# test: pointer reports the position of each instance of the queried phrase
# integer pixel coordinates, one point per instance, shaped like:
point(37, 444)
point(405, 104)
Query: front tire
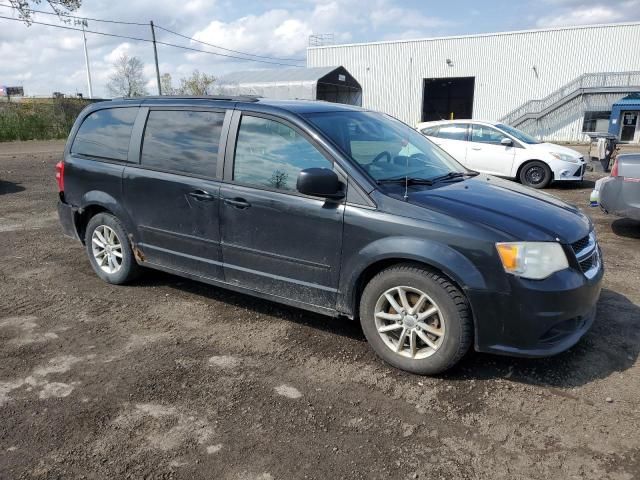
point(416, 319)
point(535, 174)
point(109, 251)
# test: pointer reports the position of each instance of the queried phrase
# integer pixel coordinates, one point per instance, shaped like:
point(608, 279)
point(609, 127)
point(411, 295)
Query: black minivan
point(334, 209)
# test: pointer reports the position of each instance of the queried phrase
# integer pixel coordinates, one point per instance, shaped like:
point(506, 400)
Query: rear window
point(182, 141)
point(456, 131)
point(106, 133)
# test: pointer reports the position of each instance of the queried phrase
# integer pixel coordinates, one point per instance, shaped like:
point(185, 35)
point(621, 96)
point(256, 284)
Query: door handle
point(201, 195)
point(237, 202)
point(476, 148)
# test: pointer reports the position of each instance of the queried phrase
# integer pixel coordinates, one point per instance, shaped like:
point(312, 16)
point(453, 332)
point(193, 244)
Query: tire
point(104, 226)
point(535, 174)
point(452, 321)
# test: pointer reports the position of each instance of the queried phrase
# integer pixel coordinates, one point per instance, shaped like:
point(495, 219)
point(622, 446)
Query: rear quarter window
point(106, 133)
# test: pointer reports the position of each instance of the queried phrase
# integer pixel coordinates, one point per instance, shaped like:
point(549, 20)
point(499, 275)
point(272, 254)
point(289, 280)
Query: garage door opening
point(447, 98)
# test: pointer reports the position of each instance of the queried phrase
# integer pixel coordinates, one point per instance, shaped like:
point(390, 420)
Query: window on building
point(182, 141)
point(486, 134)
point(270, 154)
point(106, 134)
point(597, 121)
point(456, 131)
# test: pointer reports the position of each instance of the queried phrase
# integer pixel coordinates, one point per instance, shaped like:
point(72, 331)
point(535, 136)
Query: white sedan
point(504, 151)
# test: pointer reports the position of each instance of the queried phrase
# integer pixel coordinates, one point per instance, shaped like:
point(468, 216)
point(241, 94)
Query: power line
point(151, 41)
point(66, 15)
point(228, 49)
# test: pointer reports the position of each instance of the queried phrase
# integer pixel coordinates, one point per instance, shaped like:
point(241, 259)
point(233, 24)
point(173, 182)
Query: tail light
point(614, 169)
point(60, 176)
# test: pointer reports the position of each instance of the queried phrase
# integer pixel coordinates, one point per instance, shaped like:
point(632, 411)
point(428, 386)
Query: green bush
point(39, 119)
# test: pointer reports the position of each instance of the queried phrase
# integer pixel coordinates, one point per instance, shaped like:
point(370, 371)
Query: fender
point(440, 256)
point(104, 200)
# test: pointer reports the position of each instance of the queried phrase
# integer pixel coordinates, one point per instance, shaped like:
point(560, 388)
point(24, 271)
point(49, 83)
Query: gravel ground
point(168, 378)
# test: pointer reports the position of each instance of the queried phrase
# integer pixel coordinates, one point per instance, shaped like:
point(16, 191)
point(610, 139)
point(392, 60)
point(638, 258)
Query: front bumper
point(67, 216)
point(572, 172)
point(538, 318)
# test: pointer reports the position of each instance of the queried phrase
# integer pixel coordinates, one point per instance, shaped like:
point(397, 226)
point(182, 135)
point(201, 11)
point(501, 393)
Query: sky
point(45, 59)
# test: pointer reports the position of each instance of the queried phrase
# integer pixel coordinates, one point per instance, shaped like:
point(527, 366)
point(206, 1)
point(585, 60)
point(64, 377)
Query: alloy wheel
point(409, 322)
point(106, 249)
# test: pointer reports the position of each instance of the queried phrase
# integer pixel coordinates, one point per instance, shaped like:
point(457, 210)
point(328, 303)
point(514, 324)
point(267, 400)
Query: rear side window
point(106, 133)
point(456, 131)
point(270, 154)
point(182, 141)
point(430, 131)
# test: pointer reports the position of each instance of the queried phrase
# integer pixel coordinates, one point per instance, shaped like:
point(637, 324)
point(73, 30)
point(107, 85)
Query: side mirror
point(507, 142)
point(319, 182)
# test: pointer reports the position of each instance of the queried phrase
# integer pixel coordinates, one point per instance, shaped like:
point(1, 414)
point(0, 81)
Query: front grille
point(587, 254)
point(580, 245)
point(588, 263)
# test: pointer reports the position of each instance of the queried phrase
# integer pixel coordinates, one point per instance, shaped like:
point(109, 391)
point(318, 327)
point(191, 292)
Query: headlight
point(566, 158)
point(534, 260)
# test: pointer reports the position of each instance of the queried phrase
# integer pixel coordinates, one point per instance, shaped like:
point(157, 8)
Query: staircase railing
point(585, 81)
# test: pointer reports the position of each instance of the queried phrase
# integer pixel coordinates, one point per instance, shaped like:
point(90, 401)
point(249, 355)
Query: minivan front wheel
point(416, 319)
point(109, 251)
point(535, 174)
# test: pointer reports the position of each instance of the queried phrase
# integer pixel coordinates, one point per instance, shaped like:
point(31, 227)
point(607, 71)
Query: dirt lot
point(168, 378)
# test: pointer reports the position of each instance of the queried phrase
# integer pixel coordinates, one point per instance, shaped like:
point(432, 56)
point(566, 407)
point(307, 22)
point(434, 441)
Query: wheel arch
point(432, 255)
point(94, 202)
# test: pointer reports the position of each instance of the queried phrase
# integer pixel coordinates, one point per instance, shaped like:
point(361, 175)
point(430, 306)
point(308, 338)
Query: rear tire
point(434, 327)
point(535, 174)
point(109, 251)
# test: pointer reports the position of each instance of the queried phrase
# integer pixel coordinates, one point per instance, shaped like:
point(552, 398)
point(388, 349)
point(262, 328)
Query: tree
point(128, 79)
point(278, 179)
point(197, 84)
point(60, 7)
point(166, 84)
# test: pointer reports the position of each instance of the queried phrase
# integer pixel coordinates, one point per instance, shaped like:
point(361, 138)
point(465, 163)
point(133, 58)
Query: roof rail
point(239, 98)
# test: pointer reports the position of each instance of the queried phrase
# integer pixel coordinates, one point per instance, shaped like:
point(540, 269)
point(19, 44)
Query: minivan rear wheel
point(109, 251)
point(416, 319)
point(535, 174)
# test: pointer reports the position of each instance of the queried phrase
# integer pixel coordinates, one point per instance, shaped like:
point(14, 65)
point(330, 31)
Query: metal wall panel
point(510, 68)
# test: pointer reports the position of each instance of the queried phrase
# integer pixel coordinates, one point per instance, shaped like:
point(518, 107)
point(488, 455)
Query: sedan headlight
point(534, 260)
point(566, 158)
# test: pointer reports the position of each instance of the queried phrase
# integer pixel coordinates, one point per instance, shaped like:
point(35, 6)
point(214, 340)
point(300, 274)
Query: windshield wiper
point(405, 180)
point(452, 175)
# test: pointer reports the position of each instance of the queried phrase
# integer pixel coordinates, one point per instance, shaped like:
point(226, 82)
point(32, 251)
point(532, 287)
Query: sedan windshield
point(384, 147)
point(520, 135)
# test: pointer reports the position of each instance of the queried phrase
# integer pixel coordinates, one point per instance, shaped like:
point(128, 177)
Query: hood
point(552, 147)
point(501, 205)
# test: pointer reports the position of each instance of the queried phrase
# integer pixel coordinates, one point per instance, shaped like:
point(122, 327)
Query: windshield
point(514, 132)
point(384, 147)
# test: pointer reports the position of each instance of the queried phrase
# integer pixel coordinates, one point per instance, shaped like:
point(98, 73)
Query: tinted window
point(485, 134)
point(456, 131)
point(270, 154)
point(106, 133)
point(182, 141)
point(431, 131)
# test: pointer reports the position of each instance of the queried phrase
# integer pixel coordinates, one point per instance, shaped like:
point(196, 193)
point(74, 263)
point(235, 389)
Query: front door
point(275, 240)
point(173, 195)
point(630, 127)
point(486, 154)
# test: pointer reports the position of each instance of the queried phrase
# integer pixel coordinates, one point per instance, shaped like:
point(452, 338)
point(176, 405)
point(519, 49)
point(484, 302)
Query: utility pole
point(155, 54)
point(84, 24)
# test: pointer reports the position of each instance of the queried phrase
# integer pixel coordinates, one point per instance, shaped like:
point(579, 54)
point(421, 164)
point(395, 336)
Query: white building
point(554, 83)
